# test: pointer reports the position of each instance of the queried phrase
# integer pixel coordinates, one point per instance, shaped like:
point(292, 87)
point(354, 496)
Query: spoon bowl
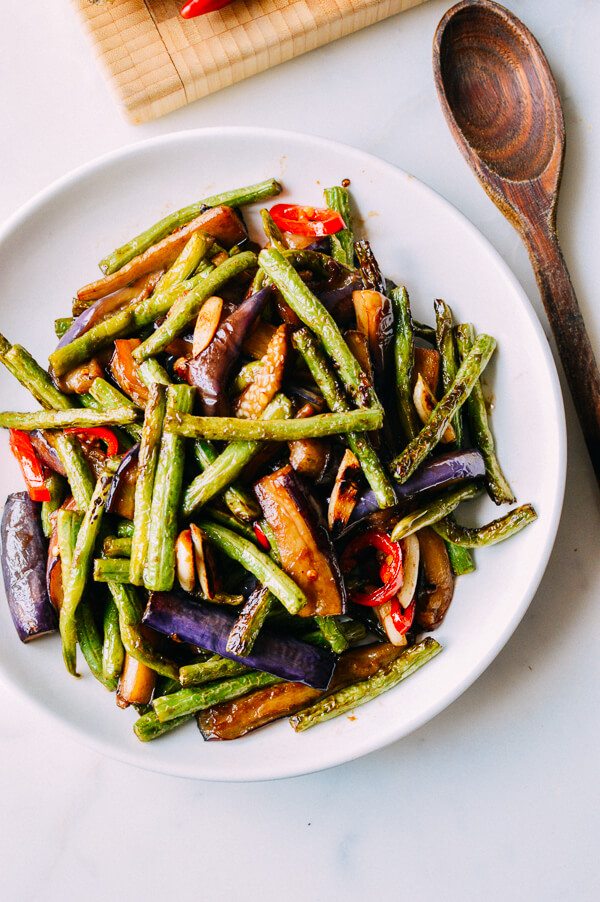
point(500, 92)
point(503, 108)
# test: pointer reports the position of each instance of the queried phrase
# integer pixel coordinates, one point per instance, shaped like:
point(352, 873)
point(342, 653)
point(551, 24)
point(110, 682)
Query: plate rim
point(338, 756)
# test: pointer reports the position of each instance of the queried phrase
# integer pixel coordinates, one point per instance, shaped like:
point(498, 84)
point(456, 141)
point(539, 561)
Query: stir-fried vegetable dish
point(243, 475)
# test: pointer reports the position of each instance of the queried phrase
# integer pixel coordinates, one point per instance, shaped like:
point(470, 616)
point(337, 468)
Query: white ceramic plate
point(52, 246)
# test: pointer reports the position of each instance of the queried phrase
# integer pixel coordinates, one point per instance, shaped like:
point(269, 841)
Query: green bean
point(238, 499)
point(497, 484)
point(129, 319)
point(496, 531)
point(272, 231)
point(113, 652)
point(148, 726)
point(82, 562)
point(114, 569)
point(188, 304)
point(130, 610)
point(342, 243)
point(423, 443)
point(30, 374)
point(363, 419)
point(104, 396)
point(231, 522)
point(90, 643)
point(422, 330)
point(336, 400)
point(125, 529)
point(191, 257)
point(359, 693)
point(216, 668)
point(151, 371)
point(63, 325)
point(68, 526)
point(189, 701)
point(230, 463)
point(116, 546)
point(332, 633)
point(258, 563)
point(272, 539)
point(107, 396)
point(237, 198)
point(461, 559)
point(74, 418)
point(58, 489)
point(431, 513)
point(351, 630)
point(404, 358)
point(159, 569)
point(147, 463)
point(314, 315)
point(246, 628)
point(445, 344)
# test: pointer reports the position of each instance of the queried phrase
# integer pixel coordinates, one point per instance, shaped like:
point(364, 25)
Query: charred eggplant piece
point(208, 626)
point(121, 499)
point(230, 720)
point(209, 370)
point(24, 568)
point(427, 365)
point(436, 595)
point(136, 683)
point(304, 544)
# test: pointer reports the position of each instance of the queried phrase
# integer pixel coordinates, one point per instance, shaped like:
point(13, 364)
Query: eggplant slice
point(304, 544)
point(24, 560)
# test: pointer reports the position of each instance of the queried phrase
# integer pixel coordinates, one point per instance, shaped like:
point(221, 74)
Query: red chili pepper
point(198, 7)
point(402, 620)
point(392, 571)
point(306, 220)
point(261, 537)
point(31, 468)
point(100, 432)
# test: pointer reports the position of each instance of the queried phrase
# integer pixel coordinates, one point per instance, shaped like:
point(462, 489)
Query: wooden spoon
point(503, 108)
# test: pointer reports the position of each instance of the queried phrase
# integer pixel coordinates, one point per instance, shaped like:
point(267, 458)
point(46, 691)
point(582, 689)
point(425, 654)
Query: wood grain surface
point(159, 61)
point(503, 108)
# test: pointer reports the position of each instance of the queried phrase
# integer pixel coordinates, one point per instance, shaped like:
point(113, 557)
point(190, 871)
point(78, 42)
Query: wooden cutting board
point(159, 61)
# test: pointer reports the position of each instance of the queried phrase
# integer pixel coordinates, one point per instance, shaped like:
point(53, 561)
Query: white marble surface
point(497, 798)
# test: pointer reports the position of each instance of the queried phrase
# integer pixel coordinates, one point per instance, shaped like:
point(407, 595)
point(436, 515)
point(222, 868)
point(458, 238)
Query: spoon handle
point(574, 346)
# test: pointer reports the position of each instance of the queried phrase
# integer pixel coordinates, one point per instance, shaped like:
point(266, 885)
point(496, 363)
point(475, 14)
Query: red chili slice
point(199, 7)
point(402, 620)
point(261, 537)
point(392, 571)
point(99, 432)
point(31, 468)
point(302, 220)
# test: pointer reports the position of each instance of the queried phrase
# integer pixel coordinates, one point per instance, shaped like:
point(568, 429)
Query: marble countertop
point(496, 798)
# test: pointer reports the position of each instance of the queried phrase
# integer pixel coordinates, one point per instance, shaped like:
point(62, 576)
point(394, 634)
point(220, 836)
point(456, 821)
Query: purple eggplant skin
point(24, 558)
point(209, 370)
point(442, 472)
point(207, 626)
point(337, 297)
point(439, 473)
